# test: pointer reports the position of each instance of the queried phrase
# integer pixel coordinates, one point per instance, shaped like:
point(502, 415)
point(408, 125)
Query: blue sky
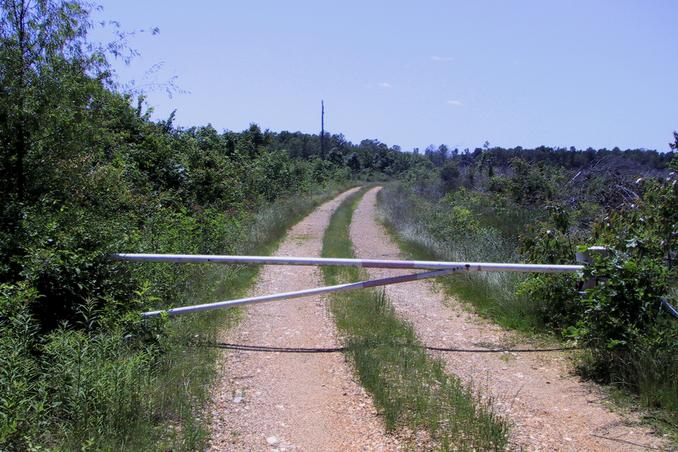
point(572, 73)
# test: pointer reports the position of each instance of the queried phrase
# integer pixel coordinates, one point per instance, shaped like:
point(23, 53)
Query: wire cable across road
point(274, 349)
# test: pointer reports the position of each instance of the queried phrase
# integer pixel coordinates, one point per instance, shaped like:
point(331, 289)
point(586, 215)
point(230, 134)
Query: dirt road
point(549, 408)
point(283, 401)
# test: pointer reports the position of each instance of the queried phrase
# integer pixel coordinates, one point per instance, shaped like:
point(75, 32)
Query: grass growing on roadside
point(506, 309)
point(189, 369)
point(491, 294)
point(410, 388)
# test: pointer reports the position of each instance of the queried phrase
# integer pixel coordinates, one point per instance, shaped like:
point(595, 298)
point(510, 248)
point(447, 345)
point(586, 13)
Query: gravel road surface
point(292, 401)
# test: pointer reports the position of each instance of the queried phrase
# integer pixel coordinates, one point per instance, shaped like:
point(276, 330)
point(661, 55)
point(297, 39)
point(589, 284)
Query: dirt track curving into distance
point(549, 408)
point(292, 401)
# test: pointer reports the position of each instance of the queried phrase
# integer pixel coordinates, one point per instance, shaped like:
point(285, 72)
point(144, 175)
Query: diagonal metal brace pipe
point(300, 293)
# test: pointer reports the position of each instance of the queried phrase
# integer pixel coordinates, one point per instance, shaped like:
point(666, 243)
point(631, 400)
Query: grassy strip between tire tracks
point(410, 389)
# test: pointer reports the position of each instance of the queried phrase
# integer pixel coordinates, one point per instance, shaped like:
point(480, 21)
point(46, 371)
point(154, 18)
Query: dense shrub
point(623, 318)
point(554, 295)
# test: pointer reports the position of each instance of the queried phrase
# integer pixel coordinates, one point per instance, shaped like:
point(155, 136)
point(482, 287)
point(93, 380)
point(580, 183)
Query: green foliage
point(625, 302)
point(638, 269)
point(488, 162)
point(89, 379)
point(450, 176)
point(108, 379)
point(47, 77)
point(530, 184)
point(452, 221)
point(553, 295)
point(21, 391)
point(632, 338)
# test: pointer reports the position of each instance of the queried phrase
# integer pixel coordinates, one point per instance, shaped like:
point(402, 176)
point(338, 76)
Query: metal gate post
point(586, 258)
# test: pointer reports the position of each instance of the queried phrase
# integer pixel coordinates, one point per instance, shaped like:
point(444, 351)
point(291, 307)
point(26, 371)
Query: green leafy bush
point(625, 301)
point(554, 295)
point(632, 339)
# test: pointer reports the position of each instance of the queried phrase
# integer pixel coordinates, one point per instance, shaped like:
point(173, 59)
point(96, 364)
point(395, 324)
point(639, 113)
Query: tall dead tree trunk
point(20, 11)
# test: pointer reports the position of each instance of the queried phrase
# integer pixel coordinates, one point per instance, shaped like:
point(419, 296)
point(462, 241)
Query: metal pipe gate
point(435, 269)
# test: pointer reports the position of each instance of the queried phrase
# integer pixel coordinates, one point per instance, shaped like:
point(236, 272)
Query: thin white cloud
point(441, 58)
point(456, 103)
point(385, 85)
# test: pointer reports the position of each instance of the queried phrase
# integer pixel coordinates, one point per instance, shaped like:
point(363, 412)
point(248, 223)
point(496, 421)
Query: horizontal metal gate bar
point(365, 263)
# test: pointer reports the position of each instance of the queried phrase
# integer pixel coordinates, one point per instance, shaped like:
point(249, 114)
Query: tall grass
point(411, 390)
point(122, 384)
point(411, 222)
